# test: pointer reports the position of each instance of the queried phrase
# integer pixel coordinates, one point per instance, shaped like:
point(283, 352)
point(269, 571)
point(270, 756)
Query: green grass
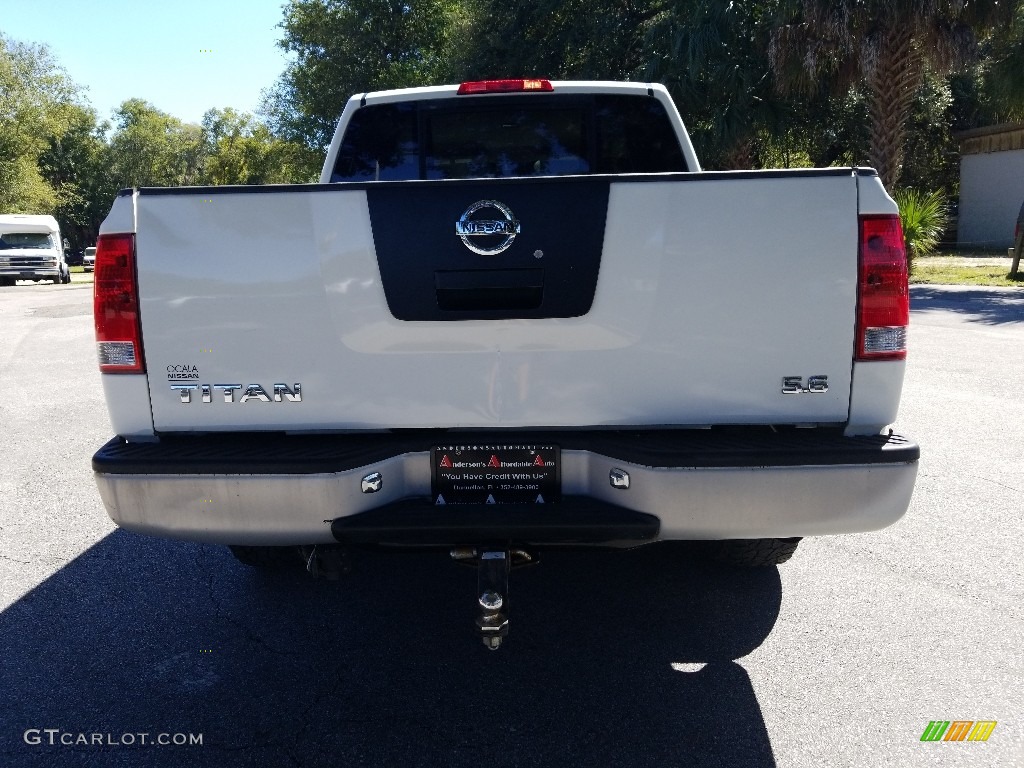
point(953, 252)
point(966, 267)
point(954, 274)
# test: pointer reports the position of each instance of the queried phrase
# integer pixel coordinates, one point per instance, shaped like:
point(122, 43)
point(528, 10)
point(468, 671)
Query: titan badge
point(281, 392)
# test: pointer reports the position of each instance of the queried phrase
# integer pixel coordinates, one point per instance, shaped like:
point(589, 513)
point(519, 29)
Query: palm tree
point(884, 44)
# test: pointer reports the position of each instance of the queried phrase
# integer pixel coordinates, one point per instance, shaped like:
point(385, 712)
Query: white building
point(991, 185)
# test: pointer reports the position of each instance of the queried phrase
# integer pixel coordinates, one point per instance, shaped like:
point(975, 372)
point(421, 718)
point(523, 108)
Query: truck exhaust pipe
point(327, 561)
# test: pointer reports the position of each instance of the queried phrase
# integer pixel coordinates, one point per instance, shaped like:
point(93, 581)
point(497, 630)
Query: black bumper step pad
point(419, 522)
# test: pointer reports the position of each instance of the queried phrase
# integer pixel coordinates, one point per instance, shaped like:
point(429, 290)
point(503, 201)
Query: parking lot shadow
point(614, 658)
point(991, 306)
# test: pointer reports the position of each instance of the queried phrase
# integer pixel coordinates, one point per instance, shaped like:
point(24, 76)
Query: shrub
point(924, 219)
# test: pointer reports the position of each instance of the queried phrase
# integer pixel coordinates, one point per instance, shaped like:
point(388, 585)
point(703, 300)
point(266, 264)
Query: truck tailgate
point(680, 299)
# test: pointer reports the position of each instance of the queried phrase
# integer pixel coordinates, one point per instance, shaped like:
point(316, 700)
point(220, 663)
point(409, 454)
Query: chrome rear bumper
point(281, 490)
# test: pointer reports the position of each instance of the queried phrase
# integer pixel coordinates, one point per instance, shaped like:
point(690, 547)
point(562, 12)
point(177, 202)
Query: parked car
point(89, 262)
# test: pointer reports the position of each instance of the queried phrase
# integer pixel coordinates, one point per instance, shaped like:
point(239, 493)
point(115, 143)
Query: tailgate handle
point(489, 289)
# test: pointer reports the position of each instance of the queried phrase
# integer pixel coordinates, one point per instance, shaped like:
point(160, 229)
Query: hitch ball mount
point(493, 568)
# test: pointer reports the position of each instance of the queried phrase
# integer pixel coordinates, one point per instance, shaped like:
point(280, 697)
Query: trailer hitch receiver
point(492, 597)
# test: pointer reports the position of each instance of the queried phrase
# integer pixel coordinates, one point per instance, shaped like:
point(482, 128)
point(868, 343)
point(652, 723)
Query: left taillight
point(883, 295)
point(116, 306)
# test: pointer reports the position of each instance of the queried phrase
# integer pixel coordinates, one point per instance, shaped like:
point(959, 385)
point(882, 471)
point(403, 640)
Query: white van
point(31, 248)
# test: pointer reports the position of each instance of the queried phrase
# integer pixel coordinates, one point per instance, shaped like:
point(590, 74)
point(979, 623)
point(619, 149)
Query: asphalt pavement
point(111, 642)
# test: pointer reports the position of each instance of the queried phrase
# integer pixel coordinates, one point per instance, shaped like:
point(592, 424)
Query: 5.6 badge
point(794, 385)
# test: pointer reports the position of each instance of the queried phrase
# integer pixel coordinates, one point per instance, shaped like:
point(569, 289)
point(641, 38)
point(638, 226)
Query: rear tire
point(266, 557)
point(753, 553)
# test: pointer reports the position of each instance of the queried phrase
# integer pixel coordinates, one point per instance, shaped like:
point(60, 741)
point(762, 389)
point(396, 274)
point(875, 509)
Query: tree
point(930, 153)
point(343, 47)
point(710, 53)
point(713, 56)
point(76, 167)
point(564, 39)
point(150, 148)
point(1004, 70)
point(242, 150)
point(886, 45)
point(36, 106)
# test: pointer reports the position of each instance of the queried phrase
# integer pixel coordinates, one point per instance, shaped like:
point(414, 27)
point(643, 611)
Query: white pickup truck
point(512, 315)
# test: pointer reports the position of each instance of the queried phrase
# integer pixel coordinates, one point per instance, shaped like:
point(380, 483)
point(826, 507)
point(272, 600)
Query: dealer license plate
point(495, 474)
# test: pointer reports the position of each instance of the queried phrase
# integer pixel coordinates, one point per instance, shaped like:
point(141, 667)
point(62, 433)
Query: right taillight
point(116, 305)
point(883, 295)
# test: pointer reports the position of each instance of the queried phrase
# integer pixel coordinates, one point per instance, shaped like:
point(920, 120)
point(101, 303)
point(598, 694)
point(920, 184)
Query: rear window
point(496, 137)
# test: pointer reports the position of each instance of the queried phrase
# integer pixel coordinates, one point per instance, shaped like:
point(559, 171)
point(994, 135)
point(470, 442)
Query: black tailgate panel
point(549, 269)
